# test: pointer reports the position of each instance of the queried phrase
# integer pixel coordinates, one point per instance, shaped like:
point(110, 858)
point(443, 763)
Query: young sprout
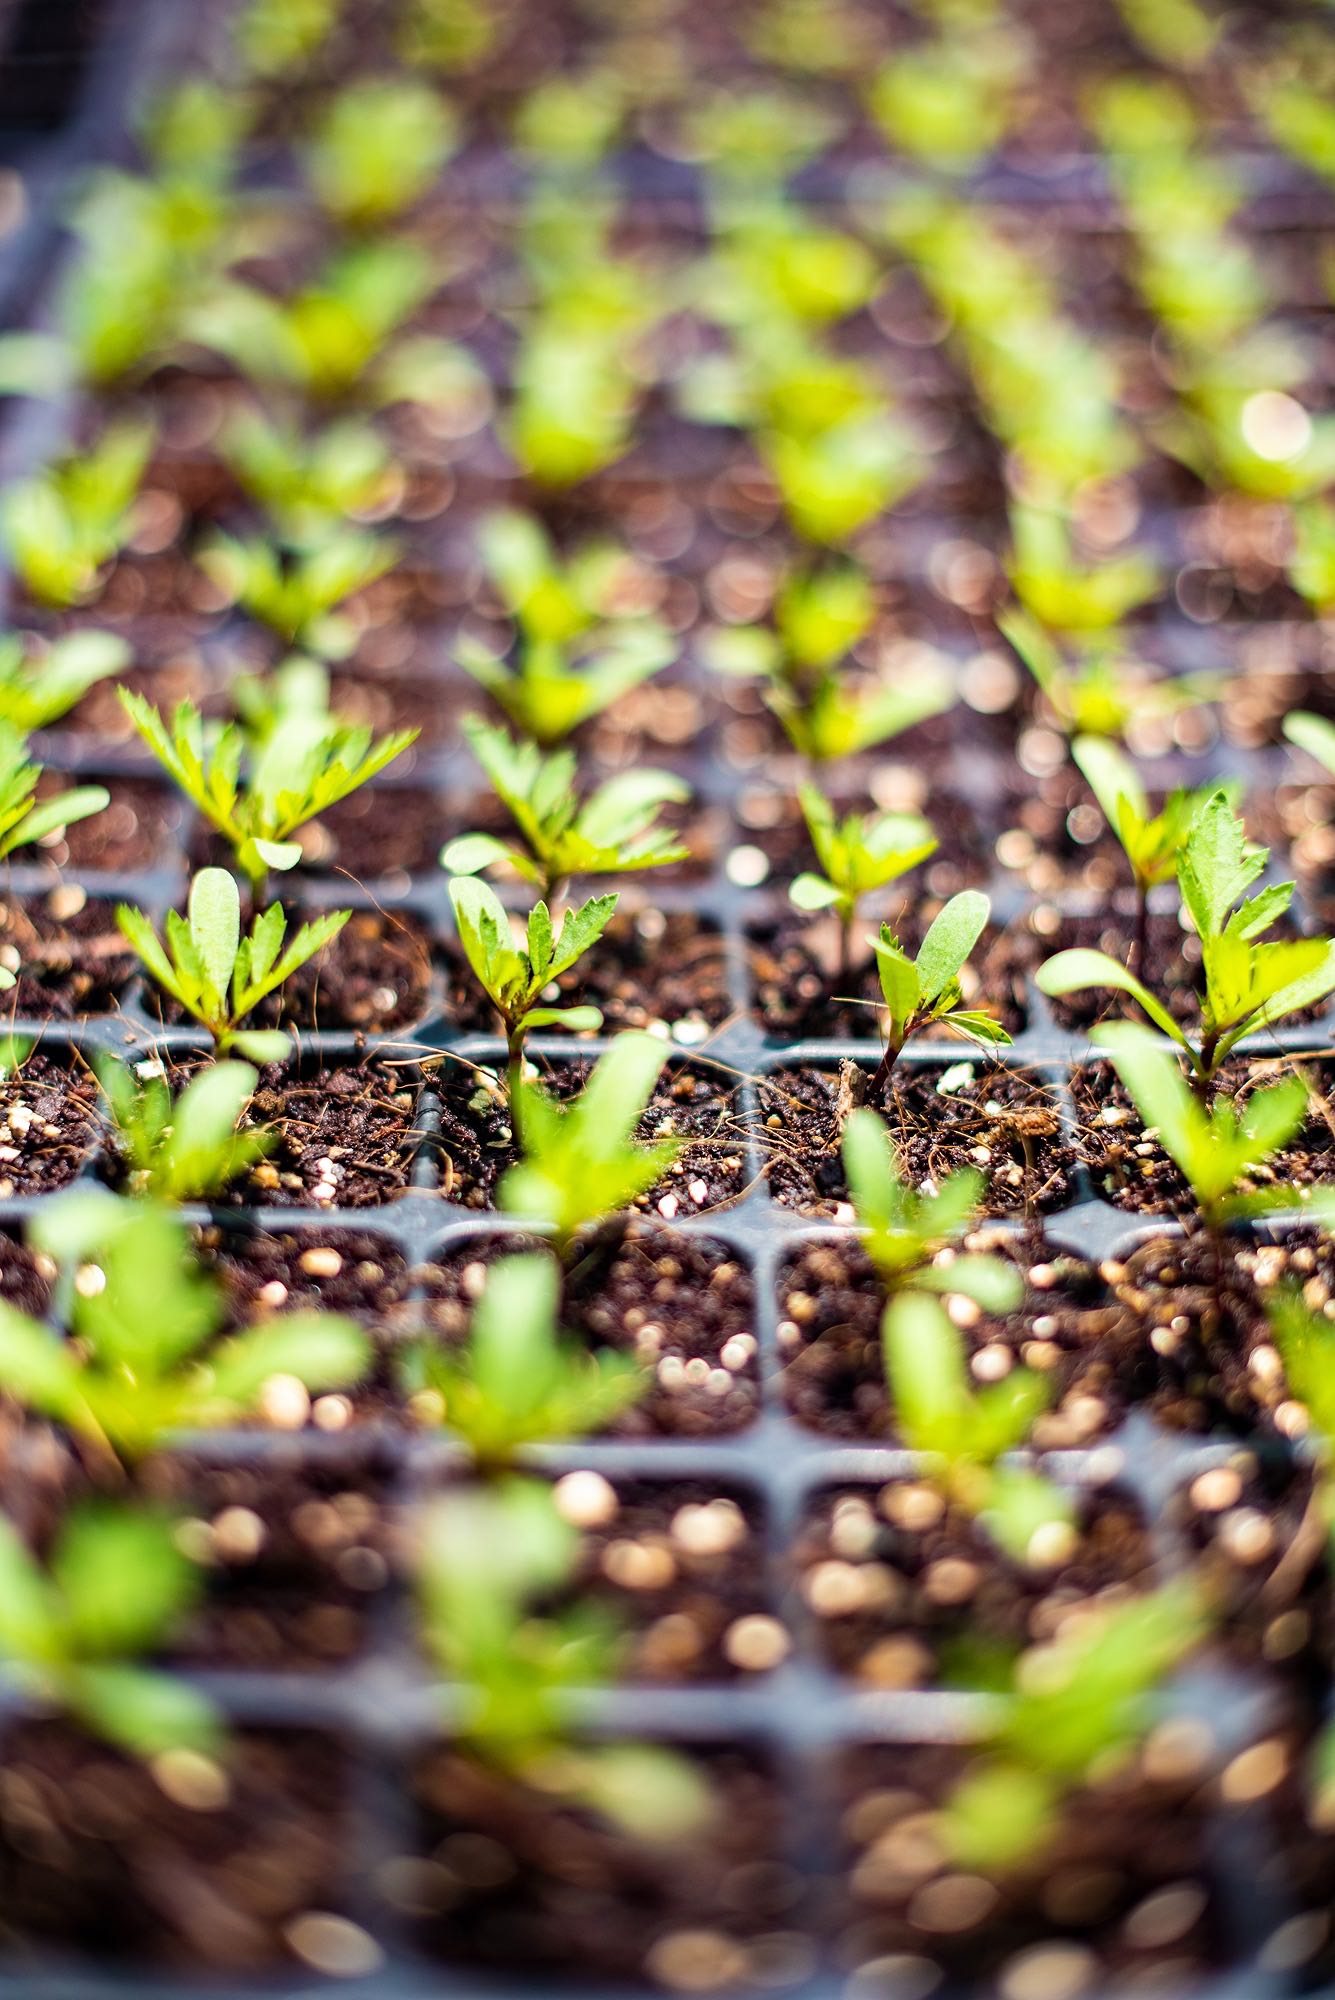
point(1249, 984)
point(857, 854)
point(276, 39)
point(377, 149)
point(615, 831)
point(218, 976)
point(63, 526)
point(1098, 692)
point(827, 713)
point(1314, 734)
point(1065, 594)
point(36, 690)
point(450, 35)
point(581, 1161)
point(23, 820)
point(949, 102)
point(1151, 841)
point(305, 765)
point(514, 978)
point(307, 484)
point(1312, 564)
point(548, 597)
point(146, 1359)
point(927, 989)
point(517, 1383)
point(488, 1555)
point(296, 592)
point(75, 1630)
point(964, 1432)
point(1085, 1711)
point(185, 1148)
point(906, 1229)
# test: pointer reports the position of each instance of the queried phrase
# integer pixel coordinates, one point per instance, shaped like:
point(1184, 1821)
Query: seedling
point(964, 1433)
point(296, 592)
point(377, 148)
point(307, 485)
point(921, 991)
point(858, 854)
point(949, 103)
point(488, 1554)
point(37, 689)
point(23, 820)
point(1097, 691)
point(146, 1360)
point(615, 831)
point(907, 1230)
point(573, 406)
point(63, 526)
point(549, 596)
point(1313, 734)
point(1065, 594)
point(581, 1161)
point(830, 714)
point(1077, 1706)
point(1312, 564)
point(1249, 984)
point(305, 765)
point(276, 38)
point(218, 976)
point(75, 1629)
point(185, 1148)
point(547, 695)
point(514, 978)
point(518, 1383)
point(1152, 842)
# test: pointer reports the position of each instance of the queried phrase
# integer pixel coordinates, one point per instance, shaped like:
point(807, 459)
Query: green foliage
point(964, 1432)
point(515, 977)
point(1096, 691)
point(146, 1360)
point(921, 991)
point(275, 39)
point(1176, 32)
point(830, 714)
point(305, 764)
point(215, 973)
point(949, 103)
point(549, 596)
point(37, 689)
point(1087, 1708)
point(296, 592)
point(581, 1161)
point(1151, 841)
point(517, 1383)
point(307, 484)
point(614, 831)
point(74, 1630)
point(64, 525)
point(1249, 984)
point(488, 1554)
point(1312, 564)
point(547, 695)
point(1062, 592)
point(450, 35)
point(771, 258)
point(858, 854)
point(23, 820)
point(819, 614)
point(377, 148)
point(1217, 1149)
point(1314, 734)
point(185, 1148)
point(907, 1229)
point(1306, 1342)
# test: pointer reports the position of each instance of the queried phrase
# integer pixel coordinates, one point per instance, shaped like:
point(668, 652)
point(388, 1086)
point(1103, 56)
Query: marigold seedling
point(1086, 1699)
point(518, 1382)
point(1060, 591)
point(307, 484)
point(37, 689)
point(514, 978)
point(1312, 564)
point(547, 694)
point(1249, 984)
point(63, 526)
point(964, 1432)
point(828, 714)
point(548, 596)
point(274, 39)
point(302, 767)
point(23, 819)
point(75, 1630)
point(906, 1229)
point(949, 103)
point(297, 592)
point(218, 976)
point(858, 854)
point(187, 1147)
point(615, 831)
point(1094, 690)
point(488, 1554)
point(377, 148)
point(581, 1161)
point(147, 1359)
point(921, 991)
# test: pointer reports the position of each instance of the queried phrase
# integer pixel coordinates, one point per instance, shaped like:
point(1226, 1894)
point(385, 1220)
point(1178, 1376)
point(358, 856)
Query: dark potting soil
point(345, 1137)
point(49, 1124)
point(69, 956)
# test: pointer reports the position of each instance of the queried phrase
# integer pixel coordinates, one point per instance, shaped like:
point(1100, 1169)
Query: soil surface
point(49, 1123)
point(70, 958)
point(345, 1137)
point(801, 994)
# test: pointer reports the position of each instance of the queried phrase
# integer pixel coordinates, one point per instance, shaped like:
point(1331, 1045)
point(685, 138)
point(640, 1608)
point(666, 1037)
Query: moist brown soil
point(350, 1130)
point(699, 1106)
point(49, 1125)
point(140, 827)
point(800, 994)
point(513, 1879)
point(69, 956)
point(293, 1555)
point(1124, 1877)
point(649, 969)
point(680, 1303)
point(1001, 1122)
point(25, 1278)
point(1134, 1172)
point(379, 830)
point(1173, 954)
point(96, 1858)
point(905, 1590)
